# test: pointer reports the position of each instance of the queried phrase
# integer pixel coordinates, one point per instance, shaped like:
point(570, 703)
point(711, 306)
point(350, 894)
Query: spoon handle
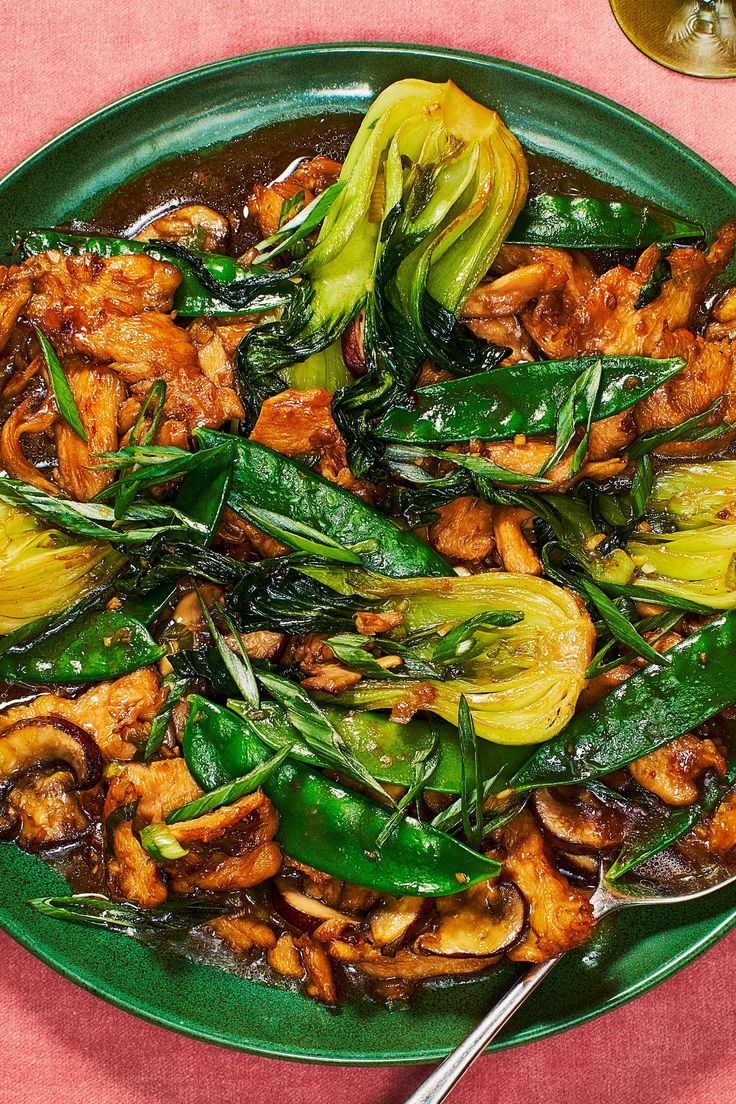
point(441, 1081)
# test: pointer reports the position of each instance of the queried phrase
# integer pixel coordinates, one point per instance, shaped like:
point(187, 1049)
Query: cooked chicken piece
point(604, 319)
point(465, 530)
point(317, 660)
point(15, 292)
point(724, 315)
point(266, 202)
point(709, 374)
point(244, 933)
point(220, 822)
point(429, 374)
point(319, 969)
point(297, 422)
point(310, 177)
point(224, 873)
point(602, 684)
point(507, 331)
point(672, 771)
point(116, 714)
point(161, 787)
point(560, 917)
point(376, 624)
point(151, 346)
point(317, 173)
point(132, 875)
point(193, 225)
point(32, 415)
point(216, 345)
point(611, 435)
point(284, 957)
point(516, 552)
point(98, 394)
point(722, 828)
point(526, 455)
point(509, 293)
point(51, 813)
point(72, 295)
point(262, 645)
point(245, 541)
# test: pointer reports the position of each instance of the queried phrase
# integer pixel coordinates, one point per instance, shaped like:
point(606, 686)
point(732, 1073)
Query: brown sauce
point(222, 177)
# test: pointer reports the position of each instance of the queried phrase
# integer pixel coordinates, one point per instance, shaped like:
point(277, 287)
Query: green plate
point(212, 104)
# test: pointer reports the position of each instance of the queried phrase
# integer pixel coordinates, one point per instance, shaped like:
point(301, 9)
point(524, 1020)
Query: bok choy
point(521, 677)
point(42, 571)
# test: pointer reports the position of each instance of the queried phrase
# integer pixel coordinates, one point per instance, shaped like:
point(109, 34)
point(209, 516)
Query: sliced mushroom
point(49, 812)
point(352, 347)
point(392, 922)
point(486, 920)
point(405, 965)
point(580, 870)
point(583, 824)
point(46, 741)
point(303, 912)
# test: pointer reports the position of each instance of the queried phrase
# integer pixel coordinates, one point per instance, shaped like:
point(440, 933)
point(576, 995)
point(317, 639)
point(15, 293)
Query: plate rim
point(25, 937)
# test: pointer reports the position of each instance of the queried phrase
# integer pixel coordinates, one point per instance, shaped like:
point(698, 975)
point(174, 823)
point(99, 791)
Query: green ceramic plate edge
point(630, 953)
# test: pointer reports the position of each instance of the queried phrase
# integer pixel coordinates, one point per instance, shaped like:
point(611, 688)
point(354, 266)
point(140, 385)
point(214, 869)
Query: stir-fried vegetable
point(584, 222)
point(324, 824)
point(96, 645)
point(42, 571)
point(695, 495)
point(522, 398)
point(521, 684)
point(647, 710)
point(263, 478)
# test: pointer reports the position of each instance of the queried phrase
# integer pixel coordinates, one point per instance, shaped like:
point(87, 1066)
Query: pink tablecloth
point(62, 60)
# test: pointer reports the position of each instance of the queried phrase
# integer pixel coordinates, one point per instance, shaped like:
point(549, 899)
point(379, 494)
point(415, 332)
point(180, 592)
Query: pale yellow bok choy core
point(523, 686)
point(42, 571)
point(698, 560)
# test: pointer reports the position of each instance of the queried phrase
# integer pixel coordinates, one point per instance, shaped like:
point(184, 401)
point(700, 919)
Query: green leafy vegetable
point(471, 793)
point(424, 766)
point(231, 791)
point(237, 666)
point(660, 274)
point(60, 386)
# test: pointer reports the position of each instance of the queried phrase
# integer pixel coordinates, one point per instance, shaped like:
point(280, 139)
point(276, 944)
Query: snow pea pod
point(210, 282)
point(102, 644)
point(266, 479)
point(584, 222)
point(384, 747)
point(521, 398)
point(326, 825)
point(647, 710)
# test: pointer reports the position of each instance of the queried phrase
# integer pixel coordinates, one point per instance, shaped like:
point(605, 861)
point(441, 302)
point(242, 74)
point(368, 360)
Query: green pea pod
point(521, 398)
point(97, 645)
point(192, 297)
point(672, 825)
point(583, 222)
point(266, 479)
point(384, 747)
point(326, 825)
point(647, 710)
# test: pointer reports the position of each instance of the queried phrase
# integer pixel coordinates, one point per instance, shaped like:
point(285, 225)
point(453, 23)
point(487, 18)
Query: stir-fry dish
point(365, 592)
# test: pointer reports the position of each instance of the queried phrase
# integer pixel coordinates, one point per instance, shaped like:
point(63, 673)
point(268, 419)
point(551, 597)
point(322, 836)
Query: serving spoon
point(682, 885)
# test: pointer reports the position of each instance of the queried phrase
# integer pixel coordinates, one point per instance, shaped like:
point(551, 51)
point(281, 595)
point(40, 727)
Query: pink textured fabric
point(62, 60)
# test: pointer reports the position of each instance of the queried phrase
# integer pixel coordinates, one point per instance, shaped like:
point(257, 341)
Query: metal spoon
point(681, 885)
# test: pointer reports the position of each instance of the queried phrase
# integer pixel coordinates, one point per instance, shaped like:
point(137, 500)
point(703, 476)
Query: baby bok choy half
point(43, 571)
point(515, 646)
point(432, 183)
point(697, 559)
